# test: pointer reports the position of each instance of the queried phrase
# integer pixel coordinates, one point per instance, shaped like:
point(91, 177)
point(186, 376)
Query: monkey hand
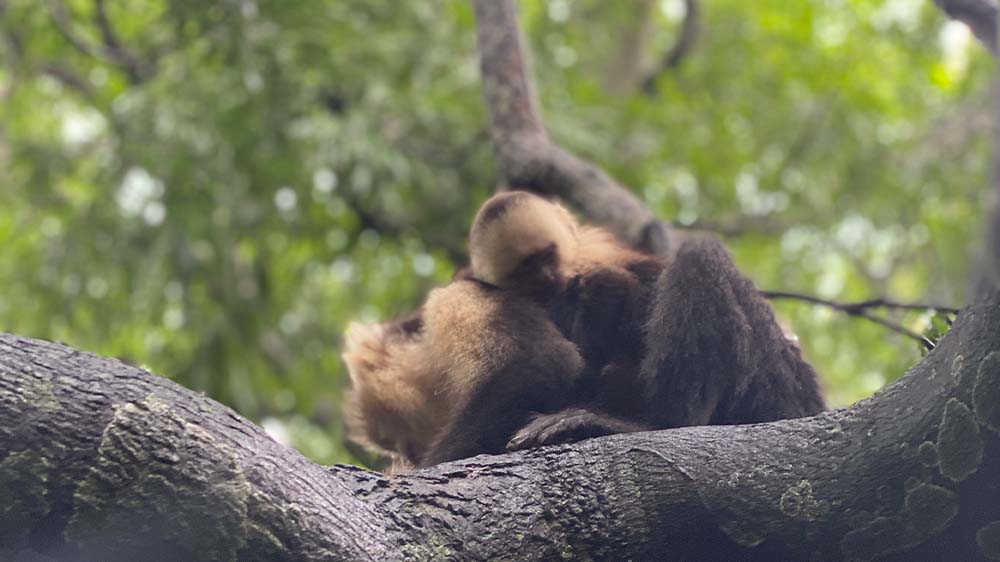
point(568, 426)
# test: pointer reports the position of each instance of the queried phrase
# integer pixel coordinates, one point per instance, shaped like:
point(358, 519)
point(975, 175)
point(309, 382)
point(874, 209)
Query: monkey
point(596, 289)
point(667, 344)
point(616, 341)
point(457, 378)
point(714, 355)
point(396, 405)
point(522, 249)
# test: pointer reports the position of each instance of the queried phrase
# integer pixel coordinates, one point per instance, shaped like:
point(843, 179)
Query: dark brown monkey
point(689, 342)
point(714, 355)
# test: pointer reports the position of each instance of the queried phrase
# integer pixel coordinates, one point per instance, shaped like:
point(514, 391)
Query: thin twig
point(861, 310)
point(111, 51)
point(861, 305)
point(60, 72)
point(690, 30)
point(134, 67)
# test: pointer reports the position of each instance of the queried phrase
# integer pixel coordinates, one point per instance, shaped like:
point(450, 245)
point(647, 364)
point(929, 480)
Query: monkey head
point(520, 241)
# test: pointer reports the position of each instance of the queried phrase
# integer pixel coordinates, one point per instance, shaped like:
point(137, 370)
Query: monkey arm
point(716, 354)
point(496, 408)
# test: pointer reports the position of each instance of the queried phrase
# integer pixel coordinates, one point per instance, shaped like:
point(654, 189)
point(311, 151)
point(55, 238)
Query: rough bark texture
point(103, 461)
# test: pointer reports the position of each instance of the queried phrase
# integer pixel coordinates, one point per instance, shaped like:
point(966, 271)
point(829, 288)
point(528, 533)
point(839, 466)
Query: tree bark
point(103, 461)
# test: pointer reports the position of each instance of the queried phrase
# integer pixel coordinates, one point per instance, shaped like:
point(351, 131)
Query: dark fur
point(712, 351)
point(716, 354)
point(539, 367)
point(497, 408)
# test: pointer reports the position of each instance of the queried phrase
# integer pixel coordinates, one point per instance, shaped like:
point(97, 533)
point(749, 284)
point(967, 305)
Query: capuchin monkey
point(457, 378)
point(557, 332)
point(597, 291)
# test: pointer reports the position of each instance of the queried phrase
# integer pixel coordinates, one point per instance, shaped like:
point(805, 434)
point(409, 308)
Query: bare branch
point(979, 15)
point(512, 102)
point(849, 307)
point(528, 158)
point(133, 66)
point(111, 51)
point(690, 30)
point(738, 225)
point(694, 493)
point(862, 310)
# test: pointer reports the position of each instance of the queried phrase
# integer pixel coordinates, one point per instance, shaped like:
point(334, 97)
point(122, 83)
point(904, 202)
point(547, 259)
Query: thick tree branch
point(528, 158)
point(100, 460)
point(986, 275)
point(690, 30)
point(979, 15)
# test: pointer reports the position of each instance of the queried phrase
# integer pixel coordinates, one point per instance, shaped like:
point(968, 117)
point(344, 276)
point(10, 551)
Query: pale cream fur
point(530, 225)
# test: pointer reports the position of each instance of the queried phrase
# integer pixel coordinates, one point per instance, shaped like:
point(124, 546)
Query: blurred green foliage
point(215, 190)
